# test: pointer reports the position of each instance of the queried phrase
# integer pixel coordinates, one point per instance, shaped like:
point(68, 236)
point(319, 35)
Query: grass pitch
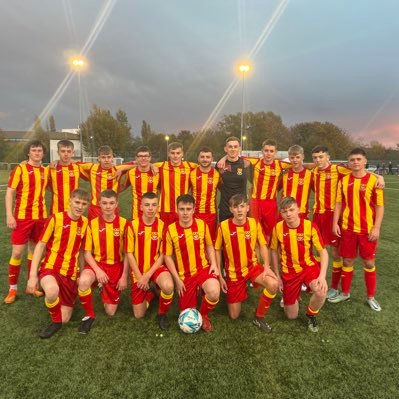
point(354, 355)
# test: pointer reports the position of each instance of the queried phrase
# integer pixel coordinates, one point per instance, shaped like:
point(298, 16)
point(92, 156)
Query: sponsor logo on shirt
point(66, 226)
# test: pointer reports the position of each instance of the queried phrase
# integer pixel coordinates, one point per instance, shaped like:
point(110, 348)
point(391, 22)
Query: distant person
point(390, 171)
point(358, 215)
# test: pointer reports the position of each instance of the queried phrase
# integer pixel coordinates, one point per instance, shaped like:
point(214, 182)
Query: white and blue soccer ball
point(190, 320)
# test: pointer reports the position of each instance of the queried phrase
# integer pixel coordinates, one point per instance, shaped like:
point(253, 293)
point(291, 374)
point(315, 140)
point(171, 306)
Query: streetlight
point(244, 68)
point(79, 64)
point(167, 138)
point(244, 138)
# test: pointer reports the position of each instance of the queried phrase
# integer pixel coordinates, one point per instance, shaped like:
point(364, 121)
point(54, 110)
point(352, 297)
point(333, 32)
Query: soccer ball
point(190, 320)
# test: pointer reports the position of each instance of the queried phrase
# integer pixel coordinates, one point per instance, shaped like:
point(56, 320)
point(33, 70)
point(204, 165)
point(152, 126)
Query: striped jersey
point(325, 186)
point(108, 241)
point(63, 237)
point(141, 183)
point(29, 183)
point(359, 197)
point(188, 244)
point(296, 245)
point(266, 178)
point(238, 244)
point(174, 181)
point(62, 181)
point(204, 186)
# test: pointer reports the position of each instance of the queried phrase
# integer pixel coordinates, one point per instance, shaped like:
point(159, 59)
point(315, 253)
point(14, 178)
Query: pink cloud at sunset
point(387, 135)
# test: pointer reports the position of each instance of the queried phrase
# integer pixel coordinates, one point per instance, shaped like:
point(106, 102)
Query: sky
point(171, 62)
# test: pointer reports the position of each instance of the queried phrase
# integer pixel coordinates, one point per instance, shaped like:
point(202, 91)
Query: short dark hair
point(65, 143)
point(105, 150)
point(286, 202)
point(320, 148)
point(142, 148)
point(205, 149)
point(34, 144)
point(270, 142)
point(149, 195)
point(186, 199)
point(238, 199)
point(108, 194)
point(232, 138)
point(358, 151)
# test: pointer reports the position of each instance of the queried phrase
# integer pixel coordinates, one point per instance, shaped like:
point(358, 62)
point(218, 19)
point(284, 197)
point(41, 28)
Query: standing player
point(204, 183)
point(238, 237)
point(298, 181)
point(293, 239)
point(27, 184)
point(174, 180)
point(63, 177)
point(108, 238)
point(147, 262)
point(142, 179)
point(189, 241)
point(101, 177)
point(234, 176)
point(360, 207)
point(62, 237)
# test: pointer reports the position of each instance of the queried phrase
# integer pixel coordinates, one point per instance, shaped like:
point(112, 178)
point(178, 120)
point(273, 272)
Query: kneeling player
point(147, 262)
point(238, 237)
point(62, 237)
point(191, 243)
point(294, 238)
point(108, 237)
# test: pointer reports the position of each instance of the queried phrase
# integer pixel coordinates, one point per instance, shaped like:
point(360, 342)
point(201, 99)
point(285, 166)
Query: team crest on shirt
point(110, 177)
point(210, 180)
point(79, 231)
point(116, 233)
point(239, 171)
point(71, 174)
point(247, 235)
point(182, 172)
point(195, 235)
point(150, 180)
point(328, 176)
point(272, 172)
point(154, 236)
point(301, 182)
point(299, 237)
point(363, 187)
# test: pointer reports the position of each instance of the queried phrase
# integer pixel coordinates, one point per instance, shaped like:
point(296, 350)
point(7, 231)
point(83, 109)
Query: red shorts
point(351, 242)
point(292, 284)
point(68, 288)
point(237, 290)
point(324, 222)
point(265, 212)
point(95, 211)
point(211, 220)
point(109, 292)
point(168, 217)
point(139, 295)
point(192, 284)
point(27, 230)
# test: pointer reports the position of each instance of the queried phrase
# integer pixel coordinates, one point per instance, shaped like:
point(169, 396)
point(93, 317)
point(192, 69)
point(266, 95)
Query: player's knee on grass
point(234, 310)
point(139, 311)
point(86, 280)
point(110, 309)
point(291, 311)
point(66, 312)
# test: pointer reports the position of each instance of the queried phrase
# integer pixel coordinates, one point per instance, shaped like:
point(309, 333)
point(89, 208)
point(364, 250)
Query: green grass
point(354, 355)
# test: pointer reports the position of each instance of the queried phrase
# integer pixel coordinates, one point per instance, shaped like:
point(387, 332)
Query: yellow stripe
point(268, 294)
point(52, 304)
point(15, 262)
point(369, 270)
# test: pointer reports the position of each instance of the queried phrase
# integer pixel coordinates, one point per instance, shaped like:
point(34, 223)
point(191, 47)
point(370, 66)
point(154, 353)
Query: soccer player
point(204, 182)
point(27, 184)
point(62, 238)
point(142, 179)
point(190, 242)
point(147, 262)
point(293, 239)
point(298, 181)
point(63, 177)
point(358, 214)
point(101, 177)
point(234, 175)
point(238, 237)
point(174, 181)
point(108, 238)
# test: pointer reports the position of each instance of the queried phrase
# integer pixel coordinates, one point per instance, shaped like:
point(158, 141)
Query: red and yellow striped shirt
point(266, 178)
point(296, 245)
point(141, 183)
point(100, 179)
point(29, 183)
point(204, 186)
point(63, 237)
point(325, 186)
point(174, 182)
point(298, 185)
point(238, 243)
point(359, 198)
point(61, 182)
point(108, 241)
point(188, 245)
point(147, 243)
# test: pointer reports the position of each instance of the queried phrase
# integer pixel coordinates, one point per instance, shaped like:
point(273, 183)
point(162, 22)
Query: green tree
point(4, 147)
point(146, 132)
